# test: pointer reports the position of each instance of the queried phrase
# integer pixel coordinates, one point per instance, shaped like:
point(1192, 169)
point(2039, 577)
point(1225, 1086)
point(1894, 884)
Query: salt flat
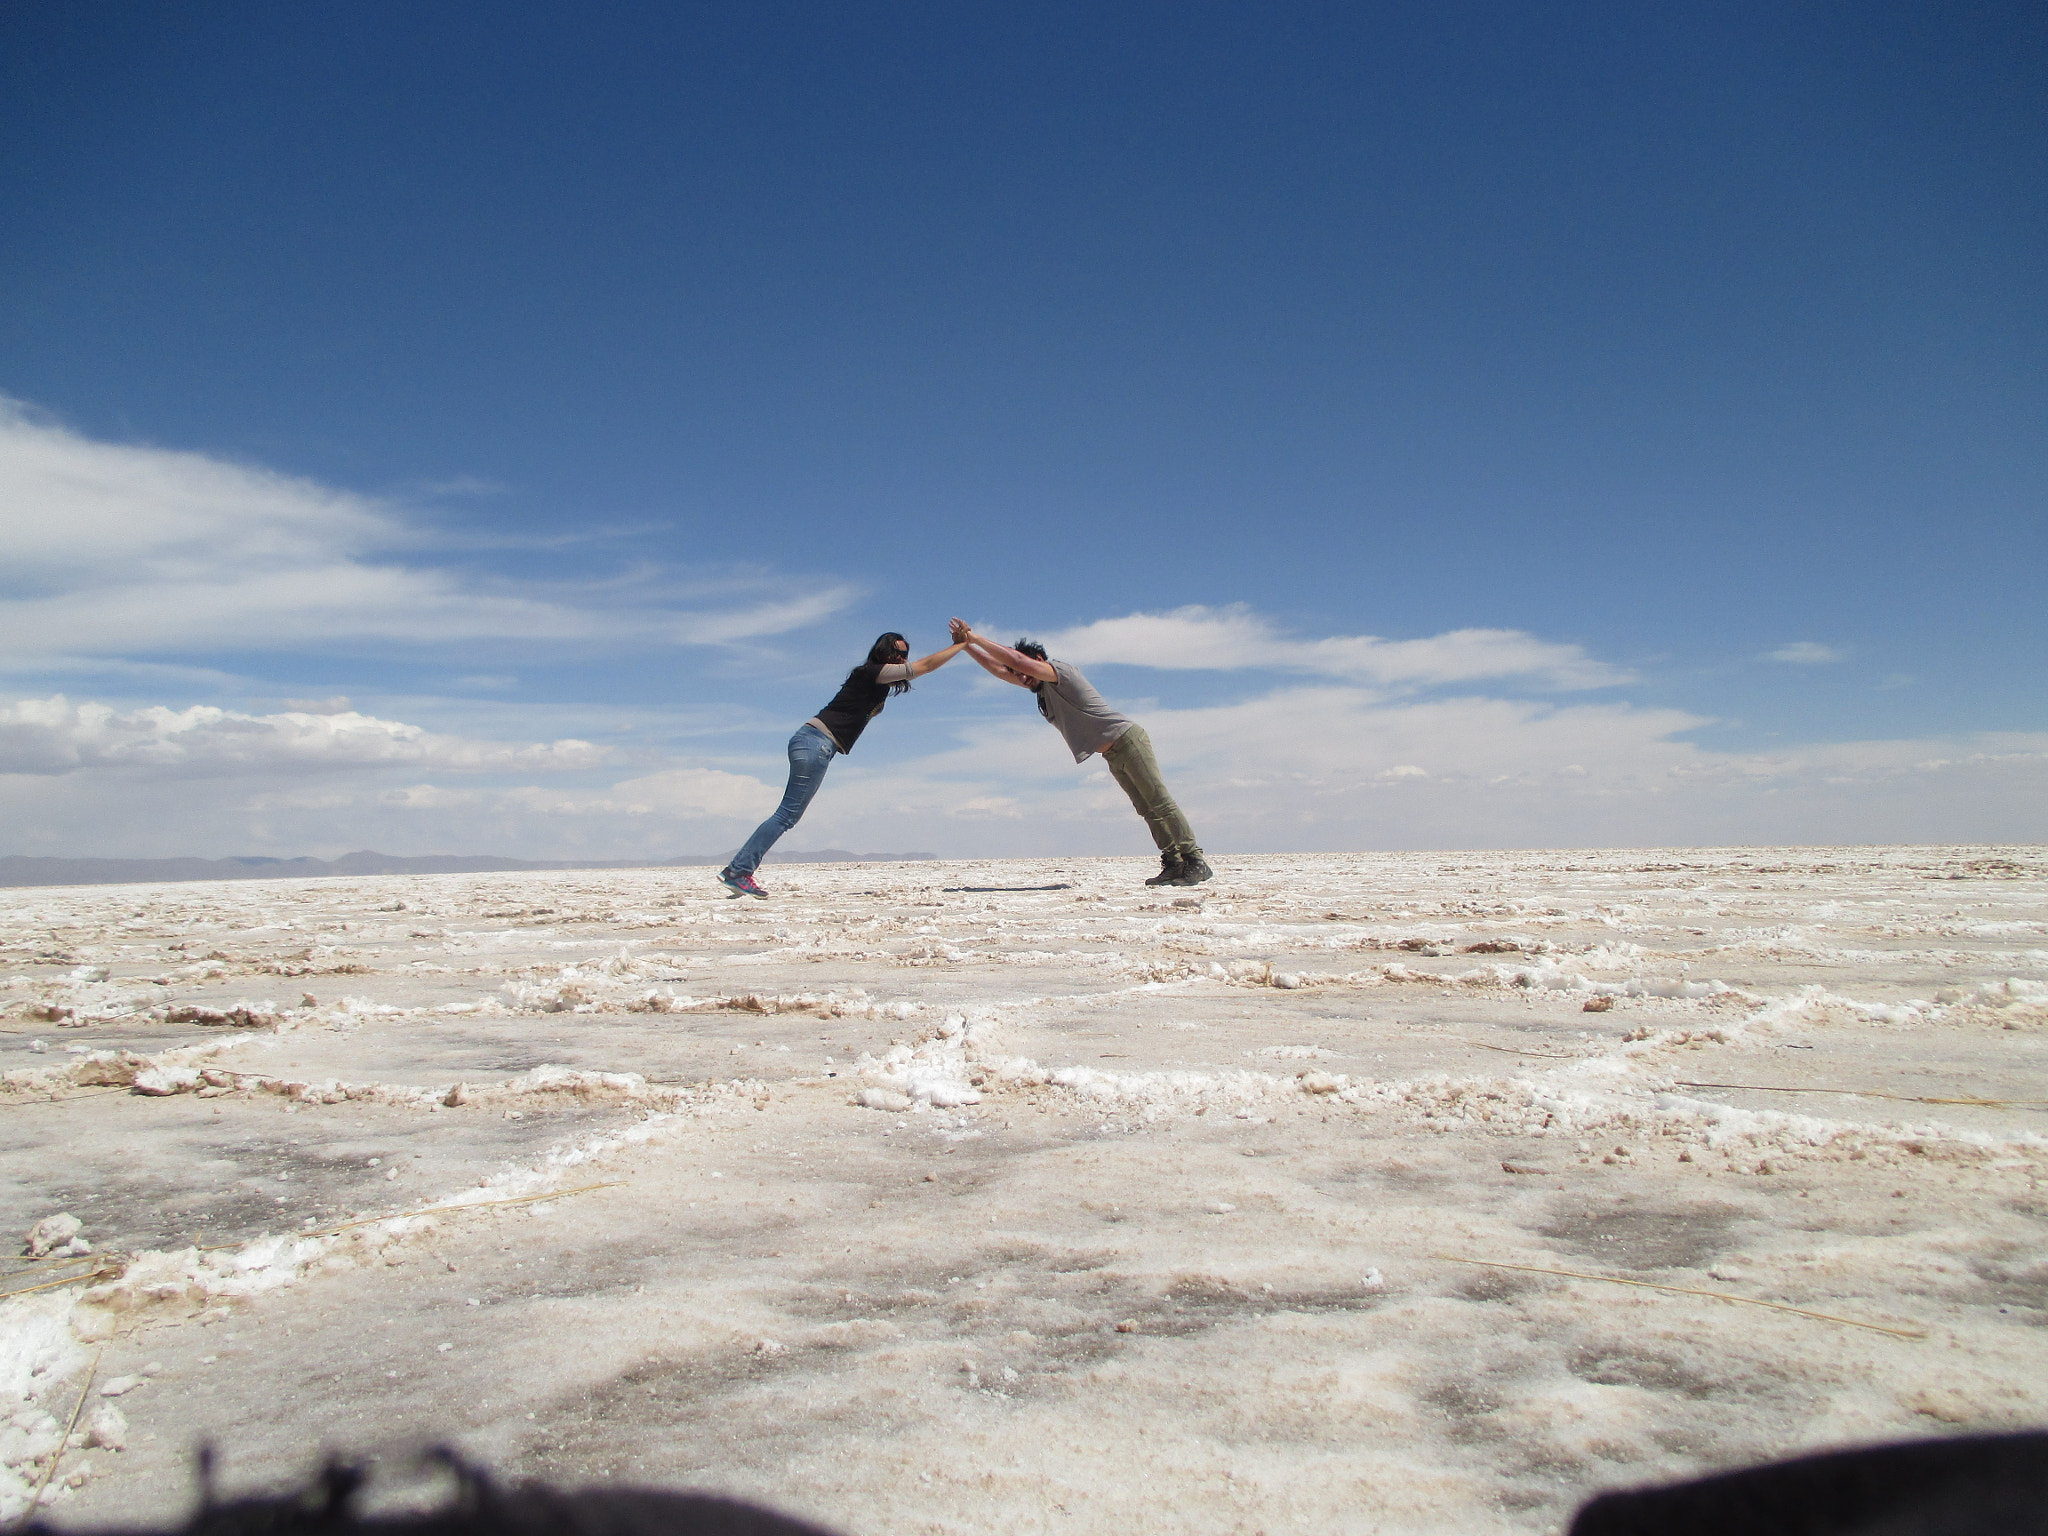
point(924, 1199)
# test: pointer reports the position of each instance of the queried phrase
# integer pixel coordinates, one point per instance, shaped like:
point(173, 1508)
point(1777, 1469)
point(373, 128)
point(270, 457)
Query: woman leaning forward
point(830, 732)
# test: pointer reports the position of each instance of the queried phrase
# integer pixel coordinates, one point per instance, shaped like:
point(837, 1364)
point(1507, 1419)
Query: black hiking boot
point(1194, 869)
point(1170, 868)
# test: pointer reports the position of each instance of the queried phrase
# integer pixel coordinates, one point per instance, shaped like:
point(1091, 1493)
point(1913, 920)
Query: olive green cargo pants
point(1131, 761)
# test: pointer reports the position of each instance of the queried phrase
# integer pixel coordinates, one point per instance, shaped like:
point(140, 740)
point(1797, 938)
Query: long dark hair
point(883, 653)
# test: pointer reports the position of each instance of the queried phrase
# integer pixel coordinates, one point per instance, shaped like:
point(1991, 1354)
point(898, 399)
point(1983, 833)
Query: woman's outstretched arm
point(936, 660)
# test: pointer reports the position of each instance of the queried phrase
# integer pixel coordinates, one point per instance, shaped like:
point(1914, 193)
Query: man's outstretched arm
point(1002, 659)
point(990, 665)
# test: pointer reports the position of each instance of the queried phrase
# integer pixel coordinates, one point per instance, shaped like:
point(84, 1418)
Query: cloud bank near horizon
point(1318, 767)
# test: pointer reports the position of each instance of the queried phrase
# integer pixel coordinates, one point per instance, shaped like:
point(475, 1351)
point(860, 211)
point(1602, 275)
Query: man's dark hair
point(1032, 649)
point(883, 653)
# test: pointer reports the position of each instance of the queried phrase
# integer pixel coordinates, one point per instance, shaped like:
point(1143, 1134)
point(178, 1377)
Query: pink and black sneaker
point(739, 884)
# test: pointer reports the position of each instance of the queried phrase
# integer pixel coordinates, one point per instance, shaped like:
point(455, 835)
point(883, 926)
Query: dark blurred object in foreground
point(1987, 1485)
point(1981, 1485)
point(480, 1507)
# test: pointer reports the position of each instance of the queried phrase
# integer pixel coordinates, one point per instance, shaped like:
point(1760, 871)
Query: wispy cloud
point(155, 673)
point(57, 736)
point(125, 552)
point(1806, 653)
point(1235, 638)
point(454, 485)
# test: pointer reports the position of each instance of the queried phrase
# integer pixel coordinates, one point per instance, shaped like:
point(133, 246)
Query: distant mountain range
point(18, 869)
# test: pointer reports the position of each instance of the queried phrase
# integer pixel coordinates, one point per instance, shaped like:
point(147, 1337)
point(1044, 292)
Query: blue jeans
point(810, 754)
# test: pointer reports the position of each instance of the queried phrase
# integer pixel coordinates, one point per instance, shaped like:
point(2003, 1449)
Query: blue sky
point(615, 374)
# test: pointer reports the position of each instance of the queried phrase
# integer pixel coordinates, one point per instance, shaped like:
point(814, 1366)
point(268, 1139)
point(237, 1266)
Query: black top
point(857, 702)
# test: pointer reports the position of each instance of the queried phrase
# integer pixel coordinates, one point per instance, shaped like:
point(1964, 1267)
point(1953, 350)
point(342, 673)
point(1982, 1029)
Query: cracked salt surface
point(1069, 1208)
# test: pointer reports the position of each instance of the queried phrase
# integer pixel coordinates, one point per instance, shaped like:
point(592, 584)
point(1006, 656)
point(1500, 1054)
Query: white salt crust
point(893, 1204)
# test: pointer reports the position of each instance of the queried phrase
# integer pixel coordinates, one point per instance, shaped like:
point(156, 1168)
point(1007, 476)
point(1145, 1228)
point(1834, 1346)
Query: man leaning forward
point(1084, 718)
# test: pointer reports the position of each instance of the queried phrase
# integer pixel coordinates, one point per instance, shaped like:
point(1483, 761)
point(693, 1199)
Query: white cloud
point(1331, 767)
point(56, 736)
point(1806, 653)
point(1346, 756)
point(458, 485)
point(1334, 767)
point(120, 551)
point(1235, 638)
point(1312, 767)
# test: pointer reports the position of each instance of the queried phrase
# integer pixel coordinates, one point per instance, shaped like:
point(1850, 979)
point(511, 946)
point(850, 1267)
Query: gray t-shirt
point(1079, 712)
